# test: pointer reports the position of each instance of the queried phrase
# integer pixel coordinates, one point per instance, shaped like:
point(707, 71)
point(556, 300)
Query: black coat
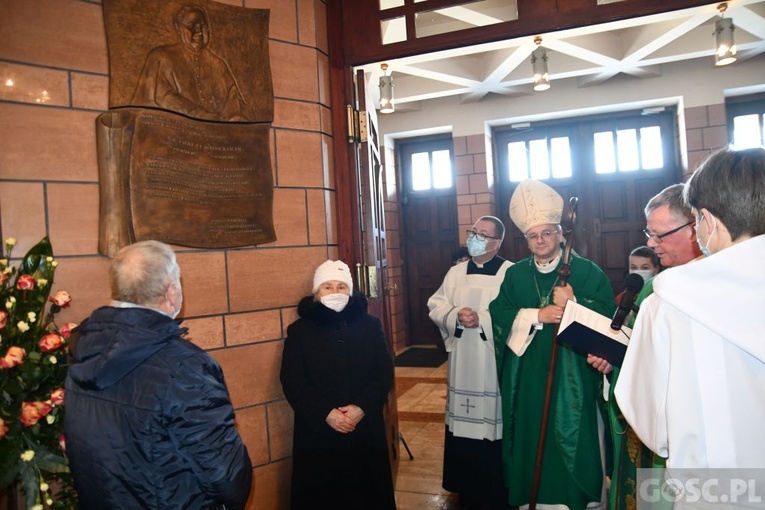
point(149, 423)
point(331, 360)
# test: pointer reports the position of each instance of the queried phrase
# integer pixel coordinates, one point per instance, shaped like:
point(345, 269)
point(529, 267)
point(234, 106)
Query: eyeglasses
point(479, 236)
point(658, 238)
point(544, 235)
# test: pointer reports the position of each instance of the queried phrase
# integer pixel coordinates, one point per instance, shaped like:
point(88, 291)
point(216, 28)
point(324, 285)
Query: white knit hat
point(535, 203)
point(332, 270)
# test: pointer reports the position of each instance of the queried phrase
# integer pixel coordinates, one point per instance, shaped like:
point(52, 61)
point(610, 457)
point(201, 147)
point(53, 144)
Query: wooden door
point(611, 200)
point(431, 230)
point(372, 265)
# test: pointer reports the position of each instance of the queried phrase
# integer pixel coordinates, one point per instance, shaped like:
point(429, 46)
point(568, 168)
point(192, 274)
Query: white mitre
point(535, 203)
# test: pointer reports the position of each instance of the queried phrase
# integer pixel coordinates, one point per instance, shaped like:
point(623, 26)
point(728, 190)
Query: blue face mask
point(476, 247)
point(705, 248)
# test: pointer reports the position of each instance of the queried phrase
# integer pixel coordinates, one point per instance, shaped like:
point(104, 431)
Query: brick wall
point(476, 192)
point(705, 131)
point(238, 302)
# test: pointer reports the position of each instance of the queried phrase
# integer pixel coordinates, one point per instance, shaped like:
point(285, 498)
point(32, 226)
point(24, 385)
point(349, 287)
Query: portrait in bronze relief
point(202, 59)
point(187, 77)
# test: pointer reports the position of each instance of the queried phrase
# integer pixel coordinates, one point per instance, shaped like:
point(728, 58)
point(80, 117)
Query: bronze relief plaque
point(200, 184)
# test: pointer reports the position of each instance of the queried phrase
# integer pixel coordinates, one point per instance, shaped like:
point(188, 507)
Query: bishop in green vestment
point(524, 315)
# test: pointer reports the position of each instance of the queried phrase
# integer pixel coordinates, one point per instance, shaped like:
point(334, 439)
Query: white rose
point(23, 326)
point(28, 455)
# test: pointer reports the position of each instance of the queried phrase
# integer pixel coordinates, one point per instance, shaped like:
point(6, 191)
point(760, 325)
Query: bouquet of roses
point(33, 365)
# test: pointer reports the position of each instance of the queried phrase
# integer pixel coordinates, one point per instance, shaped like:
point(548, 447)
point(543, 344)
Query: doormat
point(421, 357)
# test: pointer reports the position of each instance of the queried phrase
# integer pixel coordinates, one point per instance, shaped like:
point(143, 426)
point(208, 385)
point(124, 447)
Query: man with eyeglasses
point(693, 380)
point(670, 233)
point(529, 305)
point(460, 309)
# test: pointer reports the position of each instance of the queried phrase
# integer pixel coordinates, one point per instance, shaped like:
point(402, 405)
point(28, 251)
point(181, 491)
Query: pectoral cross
point(467, 406)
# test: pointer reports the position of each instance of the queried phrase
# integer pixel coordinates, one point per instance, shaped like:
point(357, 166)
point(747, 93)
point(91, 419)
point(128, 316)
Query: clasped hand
point(344, 419)
point(468, 317)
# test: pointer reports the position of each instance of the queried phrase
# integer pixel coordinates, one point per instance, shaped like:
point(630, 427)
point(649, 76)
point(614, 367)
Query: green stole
point(629, 452)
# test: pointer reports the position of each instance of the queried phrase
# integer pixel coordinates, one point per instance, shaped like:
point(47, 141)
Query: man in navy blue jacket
point(149, 422)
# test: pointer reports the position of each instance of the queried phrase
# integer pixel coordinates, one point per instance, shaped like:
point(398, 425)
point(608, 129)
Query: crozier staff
point(524, 314)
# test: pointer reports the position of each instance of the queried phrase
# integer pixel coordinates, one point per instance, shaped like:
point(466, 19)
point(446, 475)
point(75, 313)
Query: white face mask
point(476, 247)
point(177, 306)
point(336, 302)
point(705, 248)
point(646, 274)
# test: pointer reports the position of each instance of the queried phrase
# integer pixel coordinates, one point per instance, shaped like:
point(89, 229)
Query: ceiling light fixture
point(725, 47)
point(386, 91)
point(539, 65)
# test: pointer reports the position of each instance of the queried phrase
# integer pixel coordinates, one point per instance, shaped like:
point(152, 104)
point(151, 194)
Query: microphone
point(632, 285)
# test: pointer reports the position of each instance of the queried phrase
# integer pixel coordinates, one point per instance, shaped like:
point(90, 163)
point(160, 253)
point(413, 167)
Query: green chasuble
point(629, 452)
point(571, 474)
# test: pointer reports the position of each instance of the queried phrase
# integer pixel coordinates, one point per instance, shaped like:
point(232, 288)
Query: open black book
point(590, 333)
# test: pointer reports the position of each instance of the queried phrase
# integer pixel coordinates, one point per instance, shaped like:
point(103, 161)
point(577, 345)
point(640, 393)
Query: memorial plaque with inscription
point(185, 182)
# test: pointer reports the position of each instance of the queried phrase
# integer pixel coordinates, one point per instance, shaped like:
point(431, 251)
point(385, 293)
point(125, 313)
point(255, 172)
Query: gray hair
point(672, 197)
point(141, 272)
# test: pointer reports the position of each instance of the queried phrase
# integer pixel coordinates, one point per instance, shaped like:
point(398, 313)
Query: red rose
point(3, 428)
point(62, 299)
point(14, 356)
point(32, 412)
point(51, 342)
point(62, 442)
point(25, 282)
point(66, 329)
point(57, 397)
point(3, 318)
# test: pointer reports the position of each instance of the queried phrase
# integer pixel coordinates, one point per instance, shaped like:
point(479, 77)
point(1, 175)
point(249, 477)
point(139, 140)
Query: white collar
point(550, 266)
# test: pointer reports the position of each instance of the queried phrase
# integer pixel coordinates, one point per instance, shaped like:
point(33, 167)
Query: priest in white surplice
point(460, 309)
point(693, 381)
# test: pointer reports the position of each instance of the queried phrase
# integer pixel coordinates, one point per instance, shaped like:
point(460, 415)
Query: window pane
point(467, 15)
point(605, 162)
point(393, 30)
point(561, 157)
point(517, 161)
point(540, 159)
point(442, 169)
point(420, 171)
point(746, 131)
point(627, 150)
point(650, 147)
